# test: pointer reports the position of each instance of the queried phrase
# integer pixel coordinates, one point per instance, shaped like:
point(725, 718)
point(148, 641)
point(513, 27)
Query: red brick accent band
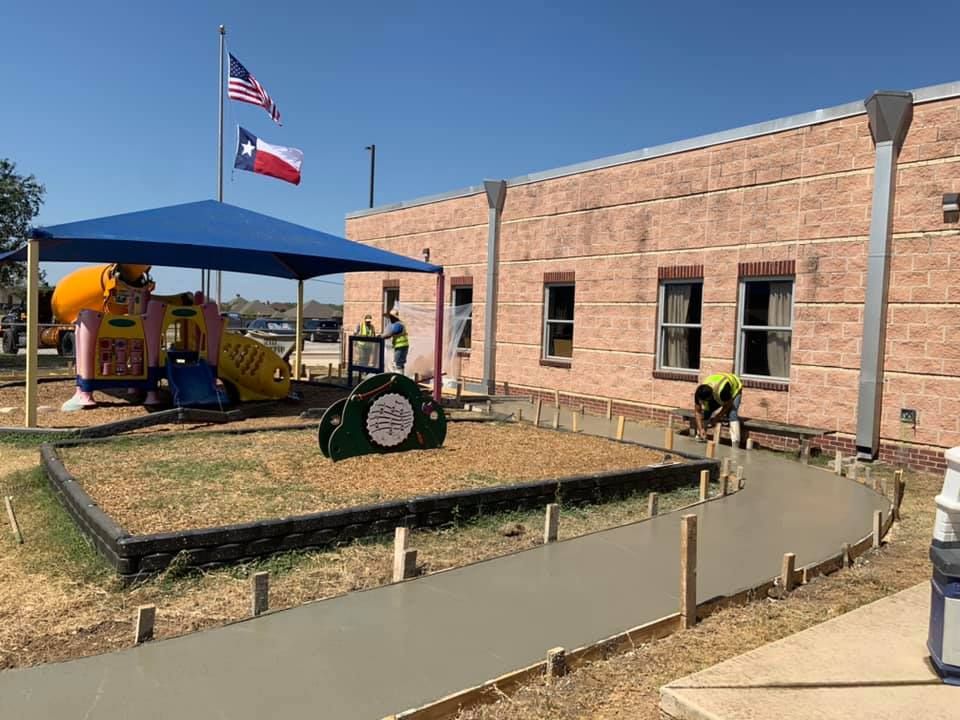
point(766, 385)
point(673, 375)
point(680, 272)
point(461, 281)
point(768, 268)
point(559, 277)
point(390, 284)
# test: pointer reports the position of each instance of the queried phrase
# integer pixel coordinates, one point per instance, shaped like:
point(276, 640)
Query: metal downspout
point(890, 114)
point(496, 194)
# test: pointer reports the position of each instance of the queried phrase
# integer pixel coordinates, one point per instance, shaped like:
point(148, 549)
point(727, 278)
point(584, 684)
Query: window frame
point(383, 301)
point(453, 297)
point(661, 296)
point(545, 336)
point(742, 329)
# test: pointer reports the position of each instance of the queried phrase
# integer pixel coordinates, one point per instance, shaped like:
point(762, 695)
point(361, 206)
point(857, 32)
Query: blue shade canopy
point(214, 236)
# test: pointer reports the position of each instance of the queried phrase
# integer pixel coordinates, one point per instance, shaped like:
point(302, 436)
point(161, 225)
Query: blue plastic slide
point(192, 384)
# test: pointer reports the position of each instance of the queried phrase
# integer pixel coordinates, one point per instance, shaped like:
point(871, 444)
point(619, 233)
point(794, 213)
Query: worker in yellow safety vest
point(401, 341)
point(366, 351)
point(718, 397)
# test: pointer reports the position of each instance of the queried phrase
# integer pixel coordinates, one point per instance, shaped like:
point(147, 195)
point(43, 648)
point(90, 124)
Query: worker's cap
point(394, 313)
point(368, 318)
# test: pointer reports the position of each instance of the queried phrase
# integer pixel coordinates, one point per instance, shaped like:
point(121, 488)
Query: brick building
point(753, 250)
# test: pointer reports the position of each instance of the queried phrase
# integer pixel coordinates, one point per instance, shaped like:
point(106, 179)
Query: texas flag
point(257, 156)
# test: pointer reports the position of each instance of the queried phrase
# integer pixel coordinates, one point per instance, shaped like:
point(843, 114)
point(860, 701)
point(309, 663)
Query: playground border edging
point(135, 555)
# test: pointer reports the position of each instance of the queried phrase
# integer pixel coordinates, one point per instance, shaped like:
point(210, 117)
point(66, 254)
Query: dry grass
point(113, 407)
point(627, 686)
point(187, 481)
point(59, 601)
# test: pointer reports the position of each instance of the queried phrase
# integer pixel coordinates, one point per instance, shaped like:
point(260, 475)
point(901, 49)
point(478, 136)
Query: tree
point(20, 200)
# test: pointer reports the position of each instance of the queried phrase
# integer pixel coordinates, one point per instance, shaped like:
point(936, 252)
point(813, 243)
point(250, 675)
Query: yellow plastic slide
point(255, 370)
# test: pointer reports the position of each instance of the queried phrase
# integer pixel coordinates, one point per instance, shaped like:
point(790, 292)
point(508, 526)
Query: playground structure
point(127, 337)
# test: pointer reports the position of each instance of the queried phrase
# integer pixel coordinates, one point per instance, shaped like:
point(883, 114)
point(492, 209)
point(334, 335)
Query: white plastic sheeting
point(420, 322)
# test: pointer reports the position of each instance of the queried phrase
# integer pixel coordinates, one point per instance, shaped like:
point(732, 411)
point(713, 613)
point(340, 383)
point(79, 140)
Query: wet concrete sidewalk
point(373, 653)
point(868, 663)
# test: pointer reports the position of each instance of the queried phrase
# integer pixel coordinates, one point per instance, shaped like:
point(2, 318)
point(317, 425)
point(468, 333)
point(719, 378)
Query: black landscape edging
point(134, 555)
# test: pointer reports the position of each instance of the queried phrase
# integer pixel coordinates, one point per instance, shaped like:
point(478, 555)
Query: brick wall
point(798, 199)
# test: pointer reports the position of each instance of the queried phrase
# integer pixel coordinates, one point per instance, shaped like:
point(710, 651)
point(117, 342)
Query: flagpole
point(223, 32)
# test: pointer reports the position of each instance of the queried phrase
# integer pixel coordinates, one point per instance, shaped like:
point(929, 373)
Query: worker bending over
point(401, 342)
point(718, 397)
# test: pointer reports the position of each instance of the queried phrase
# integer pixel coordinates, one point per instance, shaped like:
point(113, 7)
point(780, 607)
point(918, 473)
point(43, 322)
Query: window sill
point(551, 362)
point(463, 352)
point(676, 375)
point(774, 385)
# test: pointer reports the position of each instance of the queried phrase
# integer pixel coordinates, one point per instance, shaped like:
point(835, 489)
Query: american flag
point(244, 87)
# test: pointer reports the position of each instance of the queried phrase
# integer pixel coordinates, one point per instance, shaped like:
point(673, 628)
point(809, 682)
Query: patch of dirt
point(627, 685)
point(190, 481)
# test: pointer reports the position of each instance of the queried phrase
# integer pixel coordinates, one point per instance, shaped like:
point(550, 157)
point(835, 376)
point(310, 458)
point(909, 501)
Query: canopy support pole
point(298, 355)
point(33, 330)
point(438, 343)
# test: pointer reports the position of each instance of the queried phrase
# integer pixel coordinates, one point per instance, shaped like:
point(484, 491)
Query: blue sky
point(113, 105)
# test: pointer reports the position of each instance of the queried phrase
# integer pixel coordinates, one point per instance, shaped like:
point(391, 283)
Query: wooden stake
point(459, 389)
point(877, 528)
point(620, 422)
point(409, 564)
point(711, 450)
point(846, 560)
point(838, 463)
point(853, 471)
point(786, 571)
point(538, 412)
point(609, 409)
point(329, 370)
point(400, 554)
point(489, 407)
point(551, 523)
point(668, 438)
point(576, 422)
point(688, 571)
point(556, 418)
point(724, 485)
point(704, 484)
point(866, 475)
point(146, 614)
point(724, 467)
point(749, 443)
point(739, 476)
point(520, 415)
point(556, 663)
point(14, 525)
point(716, 434)
point(898, 488)
point(805, 452)
point(506, 389)
point(556, 399)
point(653, 504)
point(260, 587)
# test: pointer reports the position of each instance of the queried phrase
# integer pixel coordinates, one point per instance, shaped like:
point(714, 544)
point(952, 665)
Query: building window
point(765, 328)
point(558, 321)
point(681, 307)
point(463, 313)
point(391, 296)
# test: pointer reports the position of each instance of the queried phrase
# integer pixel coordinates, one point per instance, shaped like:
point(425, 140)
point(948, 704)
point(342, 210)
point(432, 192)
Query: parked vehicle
point(323, 331)
point(13, 329)
point(273, 327)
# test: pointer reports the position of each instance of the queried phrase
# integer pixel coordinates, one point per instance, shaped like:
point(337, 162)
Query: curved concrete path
point(373, 653)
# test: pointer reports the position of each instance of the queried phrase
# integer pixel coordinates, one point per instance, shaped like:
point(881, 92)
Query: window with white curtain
point(558, 321)
point(765, 328)
point(462, 297)
point(681, 308)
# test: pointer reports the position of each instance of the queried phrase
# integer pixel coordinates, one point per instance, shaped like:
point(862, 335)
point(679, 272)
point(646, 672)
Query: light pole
point(373, 168)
